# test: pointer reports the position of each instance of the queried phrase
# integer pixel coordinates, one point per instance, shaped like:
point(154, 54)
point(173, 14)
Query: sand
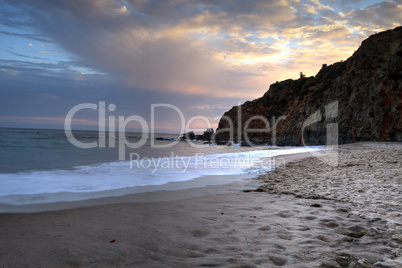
point(308, 214)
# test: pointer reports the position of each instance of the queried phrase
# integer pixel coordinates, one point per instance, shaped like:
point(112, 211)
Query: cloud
point(26, 56)
point(47, 120)
point(36, 37)
point(191, 53)
point(8, 71)
point(44, 51)
point(44, 90)
point(310, 9)
point(320, 6)
point(377, 17)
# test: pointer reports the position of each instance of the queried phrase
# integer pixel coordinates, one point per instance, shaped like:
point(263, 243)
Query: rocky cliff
point(361, 98)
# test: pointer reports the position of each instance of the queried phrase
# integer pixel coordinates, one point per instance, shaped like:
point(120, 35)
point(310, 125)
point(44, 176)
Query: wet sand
point(308, 214)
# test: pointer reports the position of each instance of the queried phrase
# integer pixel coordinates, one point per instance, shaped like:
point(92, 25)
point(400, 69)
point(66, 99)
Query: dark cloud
point(25, 56)
point(36, 37)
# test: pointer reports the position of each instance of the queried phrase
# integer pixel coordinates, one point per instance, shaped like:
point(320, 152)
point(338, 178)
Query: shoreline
point(218, 225)
point(205, 185)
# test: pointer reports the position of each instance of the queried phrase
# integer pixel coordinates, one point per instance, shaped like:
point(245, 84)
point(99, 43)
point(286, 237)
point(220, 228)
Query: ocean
point(42, 165)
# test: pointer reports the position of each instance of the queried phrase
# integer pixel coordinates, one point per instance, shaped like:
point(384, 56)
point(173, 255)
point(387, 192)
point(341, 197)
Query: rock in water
point(188, 136)
point(206, 136)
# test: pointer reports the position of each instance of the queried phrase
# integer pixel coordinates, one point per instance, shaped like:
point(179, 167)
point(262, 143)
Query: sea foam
point(140, 172)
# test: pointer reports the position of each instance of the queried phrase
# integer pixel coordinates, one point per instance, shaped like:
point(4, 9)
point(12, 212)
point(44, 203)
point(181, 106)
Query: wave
point(140, 172)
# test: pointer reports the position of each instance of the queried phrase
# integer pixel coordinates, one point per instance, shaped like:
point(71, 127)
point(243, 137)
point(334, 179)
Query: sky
point(202, 57)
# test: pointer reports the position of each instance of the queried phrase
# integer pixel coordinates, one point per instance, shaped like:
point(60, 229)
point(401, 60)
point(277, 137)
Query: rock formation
point(361, 98)
point(206, 136)
point(187, 136)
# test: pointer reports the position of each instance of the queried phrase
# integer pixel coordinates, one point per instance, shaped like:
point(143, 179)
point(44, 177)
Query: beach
point(303, 214)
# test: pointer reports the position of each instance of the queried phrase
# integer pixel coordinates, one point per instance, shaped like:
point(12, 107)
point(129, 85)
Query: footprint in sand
point(200, 233)
point(265, 228)
point(278, 260)
point(285, 214)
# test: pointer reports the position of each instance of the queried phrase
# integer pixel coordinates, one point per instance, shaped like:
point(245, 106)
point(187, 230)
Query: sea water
point(39, 162)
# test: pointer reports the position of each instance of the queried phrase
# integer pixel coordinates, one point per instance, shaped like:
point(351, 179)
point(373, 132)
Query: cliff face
point(367, 89)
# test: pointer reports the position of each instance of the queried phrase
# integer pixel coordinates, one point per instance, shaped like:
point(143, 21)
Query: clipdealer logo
point(329, 156)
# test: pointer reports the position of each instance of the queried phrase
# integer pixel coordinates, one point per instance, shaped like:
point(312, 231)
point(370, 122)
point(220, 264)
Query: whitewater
point(39, 163)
